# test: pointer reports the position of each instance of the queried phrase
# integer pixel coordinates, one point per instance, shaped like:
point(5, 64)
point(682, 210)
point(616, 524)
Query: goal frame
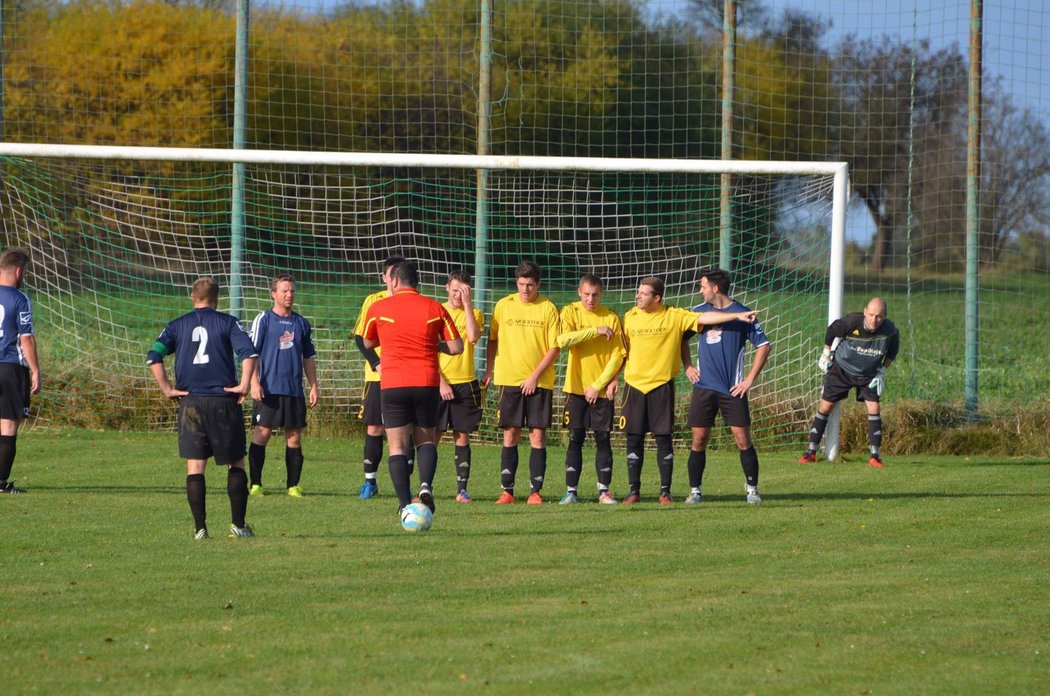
point(838, 170)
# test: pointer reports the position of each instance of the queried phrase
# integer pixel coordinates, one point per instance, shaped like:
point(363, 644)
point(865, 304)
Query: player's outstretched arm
point(709, 318)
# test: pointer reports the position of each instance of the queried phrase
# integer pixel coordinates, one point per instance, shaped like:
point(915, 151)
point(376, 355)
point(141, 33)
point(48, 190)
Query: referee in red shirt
point(412, 329)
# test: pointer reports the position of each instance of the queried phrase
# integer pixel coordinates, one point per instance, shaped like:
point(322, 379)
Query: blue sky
point(1016, 34)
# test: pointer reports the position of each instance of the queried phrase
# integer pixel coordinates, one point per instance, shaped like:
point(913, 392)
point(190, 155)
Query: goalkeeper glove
point(825, 361)
point(878, 383)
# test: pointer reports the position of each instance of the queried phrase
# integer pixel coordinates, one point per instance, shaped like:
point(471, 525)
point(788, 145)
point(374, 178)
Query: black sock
point(428, 457)
point(749, 463)
point(237, 489)
point(373, 454)
point(816, 431)
point(874, 434)
point(603, 460)
point(410, 462)
point(7, 455)
point(537, 467)
point(635, 458)
point(462, 461)
point(256, 460)
point(508, 458)
point(574, 458)
point(696, 465)
point(665, 460)
point(195, 493)
point(399, 478)
point(293, 462)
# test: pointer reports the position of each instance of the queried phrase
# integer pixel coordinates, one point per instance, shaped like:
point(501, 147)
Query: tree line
point(599, 78)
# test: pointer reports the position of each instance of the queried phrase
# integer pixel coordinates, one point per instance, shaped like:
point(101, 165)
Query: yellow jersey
point(524, 332)
point(458, 369)
point(359, 329)
point(593, 360)
point(654, 345)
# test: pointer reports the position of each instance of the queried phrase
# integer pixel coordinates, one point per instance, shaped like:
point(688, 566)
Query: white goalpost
point(117, 234)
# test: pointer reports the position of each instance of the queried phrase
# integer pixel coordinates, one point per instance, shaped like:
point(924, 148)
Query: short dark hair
point(592, 279)
point(280, 278)
point(655, 283)
point(13, 258)
point(406, 274)
point(528, 269)
point(718, 277)
point(462, 275)
point(391, 261)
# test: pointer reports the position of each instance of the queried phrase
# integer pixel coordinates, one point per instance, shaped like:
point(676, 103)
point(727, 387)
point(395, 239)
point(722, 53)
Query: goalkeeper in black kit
point(857, 350)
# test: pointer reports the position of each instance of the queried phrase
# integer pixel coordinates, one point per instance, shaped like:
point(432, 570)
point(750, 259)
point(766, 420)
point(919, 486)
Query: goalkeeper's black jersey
point(860, 352)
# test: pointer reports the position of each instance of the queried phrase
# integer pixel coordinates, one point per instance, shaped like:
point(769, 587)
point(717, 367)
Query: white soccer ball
point(416, 517)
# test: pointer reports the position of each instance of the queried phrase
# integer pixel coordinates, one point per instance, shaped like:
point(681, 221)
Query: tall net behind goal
point(116, 243)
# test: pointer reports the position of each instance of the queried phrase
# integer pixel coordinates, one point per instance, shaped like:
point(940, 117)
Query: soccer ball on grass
point(416, 517)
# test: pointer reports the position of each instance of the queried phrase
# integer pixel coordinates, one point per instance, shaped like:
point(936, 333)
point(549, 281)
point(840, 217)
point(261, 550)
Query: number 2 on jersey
point(200, 337)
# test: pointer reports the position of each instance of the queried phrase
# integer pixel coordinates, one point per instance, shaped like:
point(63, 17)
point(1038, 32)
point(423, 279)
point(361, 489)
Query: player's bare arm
point(310, 368)
point(742, 387)
point(247, 370)
point(28, 343)
point(691, 370)
point(161, 375)
point(490, 360)
point(529, 385)
point(472, 331)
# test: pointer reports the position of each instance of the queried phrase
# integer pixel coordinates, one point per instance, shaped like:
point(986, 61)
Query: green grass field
point(927, 577)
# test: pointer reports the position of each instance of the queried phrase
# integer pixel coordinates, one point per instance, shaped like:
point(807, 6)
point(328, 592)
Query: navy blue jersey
point(282, 343)
point(720, 349)
point(16, 319)
point(203, 342)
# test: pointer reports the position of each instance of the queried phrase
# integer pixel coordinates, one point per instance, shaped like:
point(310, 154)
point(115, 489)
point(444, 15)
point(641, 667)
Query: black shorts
point(596, 417)
point(410, 406)
point(15, 387)
point(647, 413)
point(211, 426)
point(371, 412)
point(837, 385)
point(463, 413)
point(705, 404)
point(277, 411)
point(519, 411)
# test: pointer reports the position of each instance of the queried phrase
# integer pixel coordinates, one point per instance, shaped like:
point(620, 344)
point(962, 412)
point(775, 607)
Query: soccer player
point(411, 329)
point(719, 384)
point(460, 407)
point(523, 344)
point(19, 365)
point(654, 333)
point(371, 412)
point(286, 351)
point(857, 350)
point(211, 421)
point(593, 334)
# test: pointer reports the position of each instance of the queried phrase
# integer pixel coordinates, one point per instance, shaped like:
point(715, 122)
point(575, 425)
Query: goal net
point(118, 235)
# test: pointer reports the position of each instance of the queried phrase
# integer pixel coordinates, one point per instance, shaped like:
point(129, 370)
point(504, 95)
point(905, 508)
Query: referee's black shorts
point(410, 406)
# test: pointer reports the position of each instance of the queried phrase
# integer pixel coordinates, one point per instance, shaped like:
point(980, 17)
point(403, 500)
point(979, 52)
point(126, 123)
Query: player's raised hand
point(605, 331)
